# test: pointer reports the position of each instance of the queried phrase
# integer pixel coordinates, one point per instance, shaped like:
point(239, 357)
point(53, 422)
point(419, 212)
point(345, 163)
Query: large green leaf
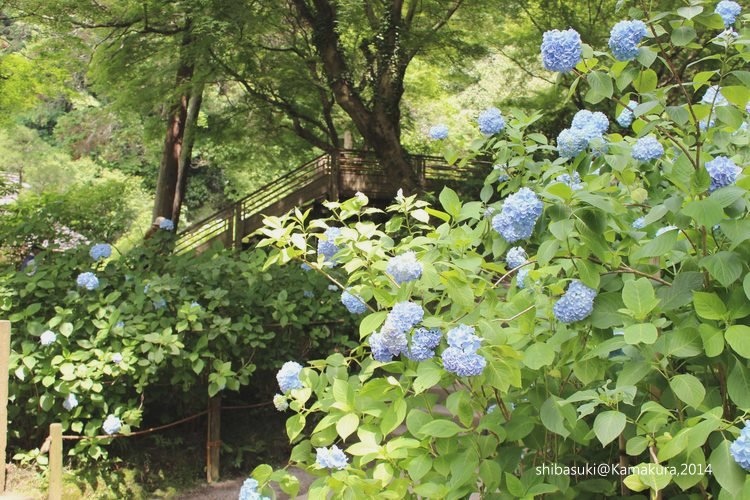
point(738, 337)
point(725, 267)
point(688, 388)
point(639, 297)
point(608, 426)
point(730, 476)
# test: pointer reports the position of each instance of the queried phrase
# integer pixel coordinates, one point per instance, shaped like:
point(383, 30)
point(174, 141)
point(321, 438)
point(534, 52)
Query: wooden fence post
point(55, 462)
point(213, 439)
point(4, 361)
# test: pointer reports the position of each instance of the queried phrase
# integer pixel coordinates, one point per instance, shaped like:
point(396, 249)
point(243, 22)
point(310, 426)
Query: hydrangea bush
point(627, 344)
point(98, 340)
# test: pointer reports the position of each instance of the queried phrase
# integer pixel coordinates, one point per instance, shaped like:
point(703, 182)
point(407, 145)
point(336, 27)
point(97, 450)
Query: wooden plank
point(55, 462)
point(4, 361)
point(213, 439)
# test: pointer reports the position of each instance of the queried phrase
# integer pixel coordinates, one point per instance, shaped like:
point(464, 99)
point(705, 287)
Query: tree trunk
point(186, 151)
point(169, 193)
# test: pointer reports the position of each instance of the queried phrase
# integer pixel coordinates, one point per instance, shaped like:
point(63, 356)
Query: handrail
point(229, 222)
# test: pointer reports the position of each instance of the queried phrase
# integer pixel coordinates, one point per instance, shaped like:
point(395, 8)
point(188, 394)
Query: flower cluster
point(47, 338)
point(288, 376)
point(88, 280)
point(561, 50)
point(647, 148)
point(518, 215)
point(438, 132)
point(624, 39)
point(713, 96)
point(353, 304)
point(166, 224)
point(639, 223)
point(249, 491)
point(117, 358)
point(491, 121)
point(740, 448)
point(280, 402)
point(330, 458)
point(423, 344)
point(327, 246)
point(391, 339)
point(461, 355)
point(723, 172)
point(100, 251)
point(404, 267)
point(587, 126)
point(573, 181)
point(728, 10)
point(71, 401)
point(626, 116)
point(517, 257)
point(112, 425)
point(576, 304)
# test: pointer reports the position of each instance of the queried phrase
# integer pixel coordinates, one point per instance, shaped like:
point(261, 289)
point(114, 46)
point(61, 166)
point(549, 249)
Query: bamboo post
point(213, 439)
point(55, 462)
point(4, 361)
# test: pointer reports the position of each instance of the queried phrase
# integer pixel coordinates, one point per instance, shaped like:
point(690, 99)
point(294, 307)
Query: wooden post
point(55, 462)
point(4, 361)
point(213, 439)
point(239, 227)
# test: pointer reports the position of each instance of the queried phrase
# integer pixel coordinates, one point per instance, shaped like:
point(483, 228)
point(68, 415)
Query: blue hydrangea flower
point(404, 267)
point(288, 376)
point(639, 223)
point(713, 96)
point(571, 142)
point(47, 338)
point(624, 39)
point(723, 172)
point(647, 148)
point(305, 266)
point(120, 324)
point(382, 351)
point(423, 344)
point(327, 246)
point(100, 251)
point(704, 124)
point(71, 401)
point(438, 132)
point(353, 303)
point(88, 280)
point(573, 181)
point(249, 491)
point(403, 317)
point(489, 212)
point(728, 11)
point(333, 288)
point(462, 363)
point(740, 448)
point(518, 215)
point(665, 229)
point(117, 358)
point(166, 224)
point(330, 458)
point(160, 303)
point(491, 121)
point(280, 402)
point(626, 116)
point(112, 425)
point(576, 304)
point(591, 124)
point(516, 257)
point(561, 50)
point(462, 337)
point(308, 294)
point(521, 277)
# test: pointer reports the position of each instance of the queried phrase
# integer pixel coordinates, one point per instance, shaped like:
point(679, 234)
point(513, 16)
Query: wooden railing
point(326, 177)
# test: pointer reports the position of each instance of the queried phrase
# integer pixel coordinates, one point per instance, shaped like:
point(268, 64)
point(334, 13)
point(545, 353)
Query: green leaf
point(428, 375)
point(347, 424)
point(639, 297)
point(450, 202)
point(419, 466)
point(440, 429)
point(746, 285)
point(641, 333)
point(736, 94)
point(371, 322)
point(729, 475)
point(608, 426)
point(690, 12)
point(294, 426)
point(705, 212)
point(708, 305)
point(683, 35)
point(737, 384)
point(552, 416)
point(538, 355)
point(646, 81)
point(725, 267)
point(658, 247)
point(393, 416)
point(738, 337)
point(681, 291)
point(688, 388)
point(601, 86)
